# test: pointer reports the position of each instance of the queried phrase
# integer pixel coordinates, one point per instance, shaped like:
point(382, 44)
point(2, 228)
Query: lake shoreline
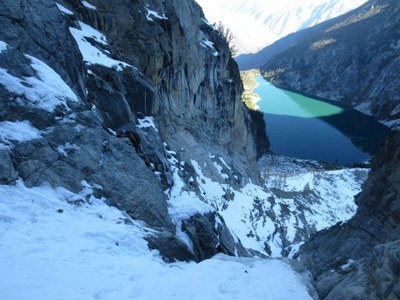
point(249, 97)
point(304, 127)
point(329, 101)
point(326, 100)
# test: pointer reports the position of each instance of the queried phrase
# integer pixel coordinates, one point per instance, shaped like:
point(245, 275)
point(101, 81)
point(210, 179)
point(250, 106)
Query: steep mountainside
point(118, 100)
point(360, 259)
point(125, 148)
point(256, 60)
point(101, 93)
point(353, 59)
point(263, 22)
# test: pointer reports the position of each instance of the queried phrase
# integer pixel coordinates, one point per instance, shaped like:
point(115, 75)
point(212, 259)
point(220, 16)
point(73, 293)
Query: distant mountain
point(354, 59)
point(257, 24)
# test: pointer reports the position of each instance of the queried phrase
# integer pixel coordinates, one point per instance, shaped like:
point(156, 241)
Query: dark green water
point(304, 127)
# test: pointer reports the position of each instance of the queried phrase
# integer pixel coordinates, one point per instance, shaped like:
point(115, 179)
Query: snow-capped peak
point(263, 22)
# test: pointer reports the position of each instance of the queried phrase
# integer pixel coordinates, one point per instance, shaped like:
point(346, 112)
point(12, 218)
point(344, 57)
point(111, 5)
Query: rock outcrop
point(353, 59)
point(360, 259)
point(100, 94)
point(196, 83)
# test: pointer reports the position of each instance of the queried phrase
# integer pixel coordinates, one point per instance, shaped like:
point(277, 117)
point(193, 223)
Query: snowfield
point(299, 198)
point(58, 245)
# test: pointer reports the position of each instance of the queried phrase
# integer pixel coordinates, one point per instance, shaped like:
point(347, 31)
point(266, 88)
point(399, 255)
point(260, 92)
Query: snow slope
point(46, 90)
point(257, 23)
point(58, 245)
point(299, 198)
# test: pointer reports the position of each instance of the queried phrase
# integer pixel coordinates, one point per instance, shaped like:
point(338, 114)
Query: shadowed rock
point(360, 259)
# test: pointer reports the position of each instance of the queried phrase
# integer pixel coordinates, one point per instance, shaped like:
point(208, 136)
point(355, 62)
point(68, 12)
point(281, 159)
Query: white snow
point(208, 23)
point(91, 54)
point(88, 5)
point(64, 10)
point(153, 14)
point(3, 46)
point(147, 122)
point(183, 204)
point(51, 248)
point(220, 169)
point(257, 24)
point(16, 131)
point(338, 189)
point(219, 164)
point(224, 162)
point(347, 265)
point(46, 91)
point(249, 215)
point(209, 45)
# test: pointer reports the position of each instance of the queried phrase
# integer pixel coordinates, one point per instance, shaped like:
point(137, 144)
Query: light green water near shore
point(281, 102)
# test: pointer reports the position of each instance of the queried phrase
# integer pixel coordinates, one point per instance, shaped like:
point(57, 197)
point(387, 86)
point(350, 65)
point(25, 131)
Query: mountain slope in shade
point(257, 24)
point(353, 59)
point(360, 259)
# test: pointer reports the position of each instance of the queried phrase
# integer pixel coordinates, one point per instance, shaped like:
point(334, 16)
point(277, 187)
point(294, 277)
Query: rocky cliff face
point(360, 259)
point(353, 59)
point(120, 97)
point(196, 84)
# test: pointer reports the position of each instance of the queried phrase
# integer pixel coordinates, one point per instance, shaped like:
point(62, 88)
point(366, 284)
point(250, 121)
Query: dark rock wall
point(353, 59)
point(361, 258)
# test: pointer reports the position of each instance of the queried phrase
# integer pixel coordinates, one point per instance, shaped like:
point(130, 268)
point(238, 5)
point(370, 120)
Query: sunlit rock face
point(196, 85)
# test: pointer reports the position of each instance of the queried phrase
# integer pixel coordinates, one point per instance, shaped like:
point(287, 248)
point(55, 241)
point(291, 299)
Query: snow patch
point(224, 162)
point(147, 122)
point(274, 219)
point(16, 131)
point(46, 91)
point(153, 14)
point(209, 45)
point(337, 189)
point(3, 46)
point(92, 55)
point(347, 265)
point(220, 169)
point(88, 5)
point(183, 204)
point(64, 10)
point(208, 23)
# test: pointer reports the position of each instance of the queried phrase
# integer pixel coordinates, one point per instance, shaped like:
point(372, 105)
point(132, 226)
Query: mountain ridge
point(264, 22)
point(351, 59)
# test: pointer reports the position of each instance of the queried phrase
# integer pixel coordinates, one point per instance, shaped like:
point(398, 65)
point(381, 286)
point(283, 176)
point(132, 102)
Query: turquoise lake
point(303, 127)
